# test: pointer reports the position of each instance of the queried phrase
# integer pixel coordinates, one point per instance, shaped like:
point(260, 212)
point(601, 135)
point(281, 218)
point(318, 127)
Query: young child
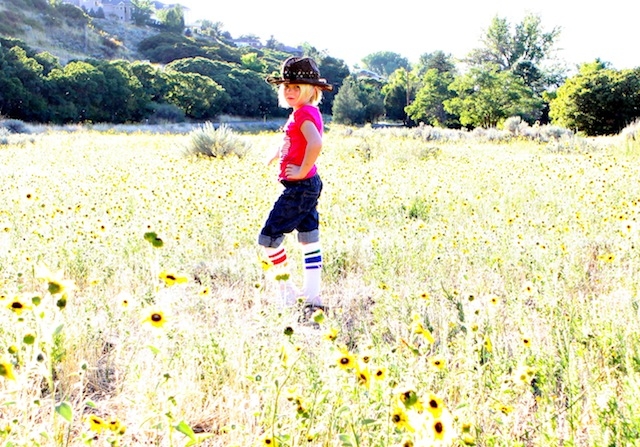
point(300, 88)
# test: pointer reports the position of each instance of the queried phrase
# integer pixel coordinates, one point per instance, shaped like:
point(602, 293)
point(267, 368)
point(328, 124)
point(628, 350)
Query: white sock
point(277, 256)
point(289, 294)
point(312, 254)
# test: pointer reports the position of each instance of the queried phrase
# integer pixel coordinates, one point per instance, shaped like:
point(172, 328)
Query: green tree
point(439, 60)
point(523, 50)
point(486, 96)
point(199, 96)
point(428, 106)
point(598, 100)
point(358, 102)
point(385, 62)
point(250, 61)
point(22, 89)
point(172, 18)
point(245, 92)
point(437, 71)
point(335, 71)
point(124, 98)
point(399, 91)
point(142, 11)
point(76, 92)
point(166, 47)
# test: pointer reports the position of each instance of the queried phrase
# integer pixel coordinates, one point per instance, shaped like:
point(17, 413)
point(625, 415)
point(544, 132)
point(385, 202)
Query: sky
point(352, 29)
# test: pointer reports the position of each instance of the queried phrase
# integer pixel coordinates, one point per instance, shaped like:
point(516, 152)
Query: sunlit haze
point(350, 30)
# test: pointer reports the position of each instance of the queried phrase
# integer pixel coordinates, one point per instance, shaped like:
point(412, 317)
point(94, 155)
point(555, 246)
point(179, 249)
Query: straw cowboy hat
point(300, 70)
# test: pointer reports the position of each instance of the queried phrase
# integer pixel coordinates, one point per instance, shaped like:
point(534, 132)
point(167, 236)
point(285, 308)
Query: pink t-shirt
point(294, 144)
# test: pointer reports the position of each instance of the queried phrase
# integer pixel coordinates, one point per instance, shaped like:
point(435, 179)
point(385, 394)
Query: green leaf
point(90, 404)
point(153, 239)
point(346, 440)
point(65, 410)
point(155, 350)
point(184, 428)
point(58, 330)
point(369, 421)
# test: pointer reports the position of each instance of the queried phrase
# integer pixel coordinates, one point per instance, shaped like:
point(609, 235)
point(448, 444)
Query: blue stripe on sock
point(314, 259)
point(311, 267)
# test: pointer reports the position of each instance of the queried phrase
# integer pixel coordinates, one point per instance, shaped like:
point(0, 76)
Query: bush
point(632, 131)
point(14, 126)
point(216, 143)
point(4, 136)
point(515, 126)
point(166, 113)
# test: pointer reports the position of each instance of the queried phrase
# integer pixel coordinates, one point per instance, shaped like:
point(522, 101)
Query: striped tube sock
point(277, 256)
point(312, 254)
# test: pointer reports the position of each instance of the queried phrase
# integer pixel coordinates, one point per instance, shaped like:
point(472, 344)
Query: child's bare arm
point(274, 155)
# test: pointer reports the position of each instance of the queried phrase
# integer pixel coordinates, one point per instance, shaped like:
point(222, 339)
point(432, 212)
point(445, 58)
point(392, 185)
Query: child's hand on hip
point(294, 172)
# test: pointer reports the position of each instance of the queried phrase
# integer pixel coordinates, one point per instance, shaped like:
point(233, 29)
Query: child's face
point(293, 96)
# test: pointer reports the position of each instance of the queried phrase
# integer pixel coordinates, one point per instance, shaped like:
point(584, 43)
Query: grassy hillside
point(68, 35)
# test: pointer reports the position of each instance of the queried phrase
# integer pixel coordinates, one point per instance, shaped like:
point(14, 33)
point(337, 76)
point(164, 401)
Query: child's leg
point(277, 256)
point(312, 254)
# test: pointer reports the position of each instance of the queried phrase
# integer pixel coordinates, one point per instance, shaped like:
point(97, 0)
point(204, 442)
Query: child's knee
point(308, 237)
point(270, 241)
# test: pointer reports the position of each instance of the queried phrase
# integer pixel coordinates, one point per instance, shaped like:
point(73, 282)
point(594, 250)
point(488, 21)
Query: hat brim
point(323, 84)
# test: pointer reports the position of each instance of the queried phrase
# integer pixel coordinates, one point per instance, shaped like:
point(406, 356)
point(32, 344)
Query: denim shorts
point(295, 209)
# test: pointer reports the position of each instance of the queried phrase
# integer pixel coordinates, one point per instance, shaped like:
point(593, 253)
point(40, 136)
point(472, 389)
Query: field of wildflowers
point(481, 293)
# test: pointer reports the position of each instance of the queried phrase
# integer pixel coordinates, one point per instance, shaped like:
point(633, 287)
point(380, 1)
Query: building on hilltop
point(121, 10)
point(113, 9)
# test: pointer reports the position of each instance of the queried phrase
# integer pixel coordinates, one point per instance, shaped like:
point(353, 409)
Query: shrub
point(4, 136)
point(166, 113)
point(516, 126)
point(632, 131)
point(217, 143)
point(14, 126)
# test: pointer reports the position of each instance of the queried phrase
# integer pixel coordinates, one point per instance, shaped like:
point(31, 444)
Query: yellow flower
point(363, 375)
point(407, 442)
point(524, 375)
point(331, 334)
point(366, 355)
point(17, 306)
point(6, 370)
point(96, 423)
point(156, 318)
point(269, 441)
point(437, 362)
point(607, 257)
point(488, 346)
point(345, 359)
point(380, 373)
point(171, 278)
point(419, 329)
point(442, 428)
point(435, 405)
point(526, 341)
point(114, 424)
point(400, 419)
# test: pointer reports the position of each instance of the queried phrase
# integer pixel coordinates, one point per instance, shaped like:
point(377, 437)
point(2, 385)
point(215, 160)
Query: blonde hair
point(310, 93)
